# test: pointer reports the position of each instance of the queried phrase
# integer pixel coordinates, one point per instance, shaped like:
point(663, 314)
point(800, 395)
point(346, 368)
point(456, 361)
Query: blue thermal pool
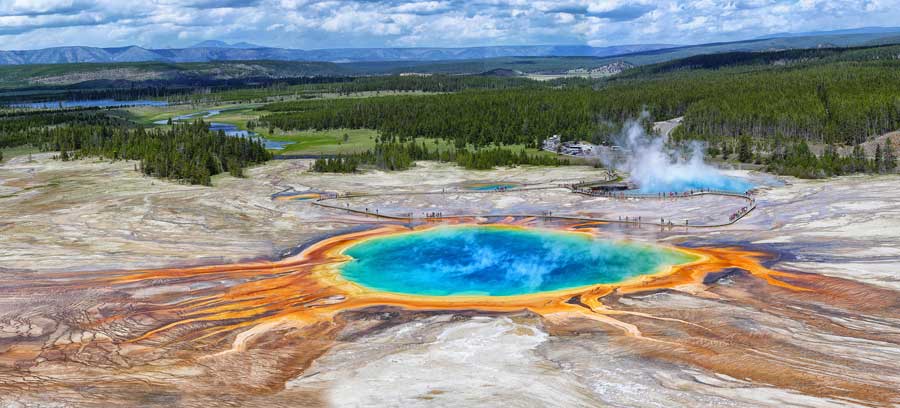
point(498, 261)
point(492, 186)
point(716, 182)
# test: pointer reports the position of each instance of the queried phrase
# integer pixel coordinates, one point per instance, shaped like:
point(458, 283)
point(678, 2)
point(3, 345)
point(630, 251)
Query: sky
point(312, 24)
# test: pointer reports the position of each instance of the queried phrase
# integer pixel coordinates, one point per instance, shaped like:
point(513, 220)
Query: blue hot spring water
point(492, 187)
point(712, 182)
point(498, 261)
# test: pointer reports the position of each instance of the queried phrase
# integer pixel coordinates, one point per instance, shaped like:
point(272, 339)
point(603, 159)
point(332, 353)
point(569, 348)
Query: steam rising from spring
point(657, 168)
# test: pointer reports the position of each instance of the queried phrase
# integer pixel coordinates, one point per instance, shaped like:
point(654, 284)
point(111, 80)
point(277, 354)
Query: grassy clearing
point(234, 113)
point(293, 93)
point(324, 141)
point(236, 116)
point(146, 115)
point(359, 140)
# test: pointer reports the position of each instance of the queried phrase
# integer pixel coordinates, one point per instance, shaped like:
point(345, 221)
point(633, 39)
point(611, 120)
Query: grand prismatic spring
point(418, 268)
point(428, 267)
point(498, 261)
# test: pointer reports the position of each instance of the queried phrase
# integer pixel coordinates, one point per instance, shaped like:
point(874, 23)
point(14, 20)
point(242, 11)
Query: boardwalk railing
point(577, 187)
point(411, 217)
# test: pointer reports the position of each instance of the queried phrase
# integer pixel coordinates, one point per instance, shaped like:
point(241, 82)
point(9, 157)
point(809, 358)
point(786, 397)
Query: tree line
point(794, 57)
point(798, 160)
point(478, 118)
point(186, 152)
point(192, 88)
point(14, 124)
point(314, 87)
point(401, 156)
point(430, 83)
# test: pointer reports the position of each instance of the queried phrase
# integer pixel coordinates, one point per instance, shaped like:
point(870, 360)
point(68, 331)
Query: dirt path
point(666, 127)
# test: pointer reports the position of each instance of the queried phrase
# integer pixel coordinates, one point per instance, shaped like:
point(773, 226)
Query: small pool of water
point(229, 129)
point(492, 186)
point(299, 197)
point(498, 261)
point(99, 103)
point(234, 131)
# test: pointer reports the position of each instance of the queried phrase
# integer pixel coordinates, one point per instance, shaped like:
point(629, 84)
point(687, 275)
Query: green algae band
point(498, 261)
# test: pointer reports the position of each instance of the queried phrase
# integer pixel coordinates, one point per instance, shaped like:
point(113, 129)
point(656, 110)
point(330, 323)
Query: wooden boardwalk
point(323, 202)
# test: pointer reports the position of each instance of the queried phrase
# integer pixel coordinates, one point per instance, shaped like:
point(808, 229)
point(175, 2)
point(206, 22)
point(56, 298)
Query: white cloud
point(694, 23)
point(29, 24)
point(35, 7)
point(565, 18)
point(425, 7)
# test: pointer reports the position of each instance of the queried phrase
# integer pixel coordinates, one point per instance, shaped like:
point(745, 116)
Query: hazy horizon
point(361, 47)
point(312, 24)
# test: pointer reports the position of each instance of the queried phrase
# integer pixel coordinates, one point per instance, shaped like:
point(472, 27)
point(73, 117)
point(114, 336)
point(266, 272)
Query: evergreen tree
point(234, 168)
point(860, 163)
point(890, 161)
point(745, 153)
point(878, 165)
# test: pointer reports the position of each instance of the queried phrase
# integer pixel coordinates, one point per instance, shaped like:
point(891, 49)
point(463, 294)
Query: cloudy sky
point(31, 24)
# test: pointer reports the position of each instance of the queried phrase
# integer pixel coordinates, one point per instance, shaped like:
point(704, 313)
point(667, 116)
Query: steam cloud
point(656, 168)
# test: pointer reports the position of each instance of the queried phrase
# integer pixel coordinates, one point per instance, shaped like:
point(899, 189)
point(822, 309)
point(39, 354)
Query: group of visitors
point(637, 219)
point(737, 215)
point(687, 193)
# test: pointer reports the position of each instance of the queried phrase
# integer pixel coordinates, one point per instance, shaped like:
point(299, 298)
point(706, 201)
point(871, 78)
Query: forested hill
point(827, 100)
point(753, 107)
point(761, 59)
point(108, 75)
point(214, 51)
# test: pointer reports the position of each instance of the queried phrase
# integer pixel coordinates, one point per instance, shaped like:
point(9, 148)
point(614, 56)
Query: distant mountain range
point(850, 31)
point(222, 44)
point(211, 51)
point(221, 51)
